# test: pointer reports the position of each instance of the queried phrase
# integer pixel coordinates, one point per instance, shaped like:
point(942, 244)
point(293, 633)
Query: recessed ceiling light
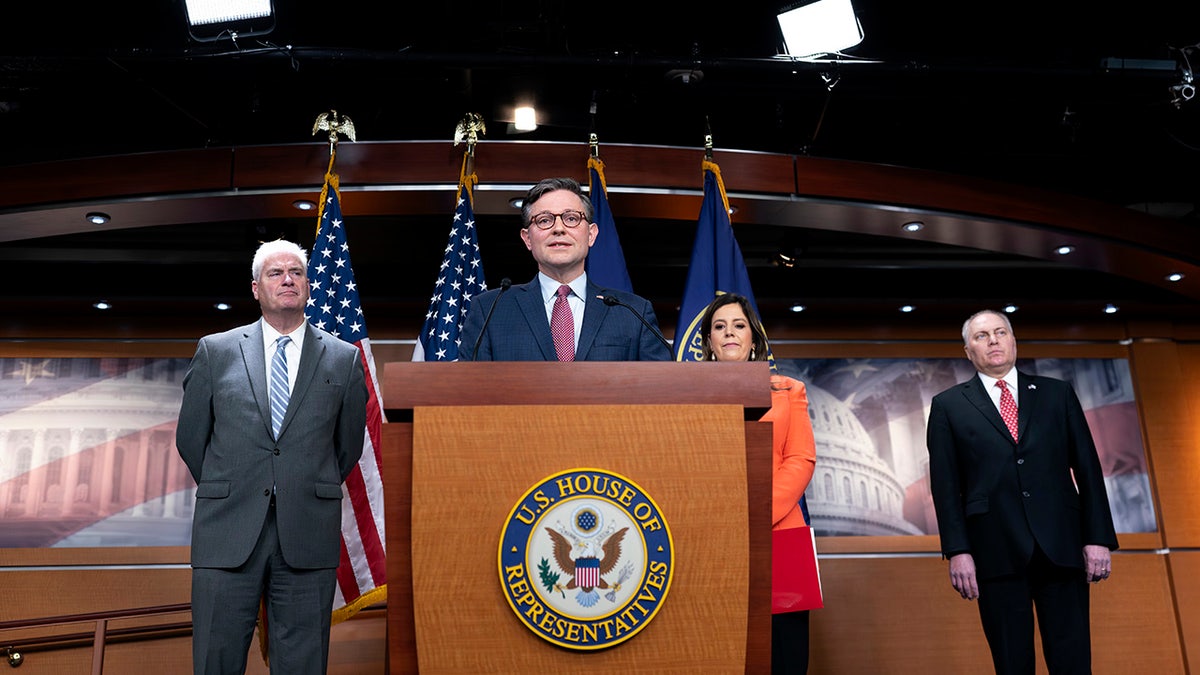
point(222, 306)
point(1065, 249)
point(907, 308)
point(1175, 276)
point(97, 218)
point(798, 308)
point(102, 305)
point(1009, 309)
point(1111, 308)
point(914, 226)
point(516, 202)
point(304, 204)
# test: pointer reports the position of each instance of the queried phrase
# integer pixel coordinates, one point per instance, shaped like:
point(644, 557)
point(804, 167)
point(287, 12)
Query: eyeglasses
point(545, 219)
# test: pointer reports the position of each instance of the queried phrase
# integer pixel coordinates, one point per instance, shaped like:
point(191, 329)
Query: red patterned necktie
point(1008, 408)
point(562, 325)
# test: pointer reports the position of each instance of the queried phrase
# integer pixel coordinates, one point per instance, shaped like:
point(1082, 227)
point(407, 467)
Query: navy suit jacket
point(995, 498)
point(519, 330)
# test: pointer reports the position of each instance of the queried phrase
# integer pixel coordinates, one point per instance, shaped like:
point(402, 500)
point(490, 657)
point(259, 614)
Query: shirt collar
point(1010, 378)
point(550, 287)
point(270, 335)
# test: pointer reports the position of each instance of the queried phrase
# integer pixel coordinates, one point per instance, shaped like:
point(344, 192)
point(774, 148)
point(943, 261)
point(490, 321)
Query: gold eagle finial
point(329, 121)
point(469, 129)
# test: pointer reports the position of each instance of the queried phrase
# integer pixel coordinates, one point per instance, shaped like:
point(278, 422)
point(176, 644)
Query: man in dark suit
point(559, 316)
point(272, 422)
point(1021, 506)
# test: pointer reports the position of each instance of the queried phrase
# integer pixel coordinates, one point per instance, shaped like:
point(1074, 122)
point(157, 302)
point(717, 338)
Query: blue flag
point(459, 279)
point(606, 261)
point(717, 267)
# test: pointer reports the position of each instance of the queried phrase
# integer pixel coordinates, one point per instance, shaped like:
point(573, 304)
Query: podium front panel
point(471, 465)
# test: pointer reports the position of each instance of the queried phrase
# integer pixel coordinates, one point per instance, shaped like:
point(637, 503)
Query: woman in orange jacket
point(733, 332)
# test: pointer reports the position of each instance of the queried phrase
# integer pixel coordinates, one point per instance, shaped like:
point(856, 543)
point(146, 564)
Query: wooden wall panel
point(1185, 576)
point(1169, 407)
point(899, 615)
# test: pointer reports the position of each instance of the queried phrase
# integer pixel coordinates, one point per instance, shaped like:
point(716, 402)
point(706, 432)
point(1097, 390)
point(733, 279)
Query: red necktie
point(1008, 408)
point(562, 325)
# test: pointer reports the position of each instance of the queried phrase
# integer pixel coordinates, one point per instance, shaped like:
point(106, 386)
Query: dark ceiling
point(1071, 97)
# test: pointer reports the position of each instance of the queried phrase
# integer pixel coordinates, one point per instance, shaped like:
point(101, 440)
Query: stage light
point(1175, 276)
point(907, 308)
point(1111, 308)
point(525, 118)
point(101, 305)
point(1009, 309)
point(1064, 249)
point(97, 218)
point(819, 28)
point(913, 226)
point(215, 19)
point(304, 204)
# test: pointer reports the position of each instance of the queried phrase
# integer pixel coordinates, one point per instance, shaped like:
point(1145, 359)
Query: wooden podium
point(467, 440)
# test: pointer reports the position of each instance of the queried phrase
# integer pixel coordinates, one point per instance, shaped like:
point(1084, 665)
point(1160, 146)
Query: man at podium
point(560, 315)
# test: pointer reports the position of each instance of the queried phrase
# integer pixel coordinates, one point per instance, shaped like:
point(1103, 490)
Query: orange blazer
point(795, 451)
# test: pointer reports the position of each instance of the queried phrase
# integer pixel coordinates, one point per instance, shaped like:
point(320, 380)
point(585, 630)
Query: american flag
point(459, 279)
point(334, 307)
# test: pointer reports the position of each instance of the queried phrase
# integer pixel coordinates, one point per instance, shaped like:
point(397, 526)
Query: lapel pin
point(1033, 386)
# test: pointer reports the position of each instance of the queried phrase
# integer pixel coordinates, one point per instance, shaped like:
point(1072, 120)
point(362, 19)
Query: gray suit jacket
point(519, 330)
point(224, 437)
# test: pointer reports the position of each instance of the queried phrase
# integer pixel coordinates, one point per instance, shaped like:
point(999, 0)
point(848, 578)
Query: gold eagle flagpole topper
point(329, 121)
point(469, 129)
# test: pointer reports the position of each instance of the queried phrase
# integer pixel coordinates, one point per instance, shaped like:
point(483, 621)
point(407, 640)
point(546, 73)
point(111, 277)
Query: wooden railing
point(14, 650)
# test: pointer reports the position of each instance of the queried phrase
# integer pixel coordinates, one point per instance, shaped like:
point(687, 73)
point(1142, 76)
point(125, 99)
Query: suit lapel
point(529, 299)
point(594, 311)
point(1027, 404)
point(255, 361)
point(973, 390)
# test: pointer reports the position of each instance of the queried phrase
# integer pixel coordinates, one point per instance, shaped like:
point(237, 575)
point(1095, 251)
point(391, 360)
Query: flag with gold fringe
point(606, 261)
point(717, 266)
point(459, 279)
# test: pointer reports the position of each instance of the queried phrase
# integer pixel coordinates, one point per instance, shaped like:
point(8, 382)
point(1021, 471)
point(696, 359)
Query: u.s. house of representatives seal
point(586, 559)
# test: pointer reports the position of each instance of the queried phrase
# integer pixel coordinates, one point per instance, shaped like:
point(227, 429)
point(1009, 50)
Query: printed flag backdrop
point(868, 417)
point(87, 446)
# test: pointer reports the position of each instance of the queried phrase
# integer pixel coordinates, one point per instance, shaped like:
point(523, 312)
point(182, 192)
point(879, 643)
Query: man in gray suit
point(272, 422)
point(560, 315)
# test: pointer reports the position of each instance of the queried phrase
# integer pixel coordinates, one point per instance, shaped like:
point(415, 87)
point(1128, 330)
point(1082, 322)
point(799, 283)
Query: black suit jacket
point(995, 498)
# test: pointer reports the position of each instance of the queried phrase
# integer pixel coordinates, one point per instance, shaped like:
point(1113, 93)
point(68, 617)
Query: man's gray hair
point(270, 248)
point(967, 324)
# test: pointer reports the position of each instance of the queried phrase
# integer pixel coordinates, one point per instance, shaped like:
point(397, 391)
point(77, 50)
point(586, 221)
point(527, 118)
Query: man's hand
point(1097, 562)
point(962, 575)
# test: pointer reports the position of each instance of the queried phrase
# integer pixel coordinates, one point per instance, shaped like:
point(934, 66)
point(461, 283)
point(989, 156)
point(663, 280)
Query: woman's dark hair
point(759, 336)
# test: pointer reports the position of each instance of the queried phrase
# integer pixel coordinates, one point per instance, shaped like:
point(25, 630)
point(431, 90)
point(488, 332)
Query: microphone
point(505, 284)
point(611, 300)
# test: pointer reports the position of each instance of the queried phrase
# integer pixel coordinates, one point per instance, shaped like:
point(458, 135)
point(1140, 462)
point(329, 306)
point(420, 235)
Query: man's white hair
point(270, 248)
point(967, 324)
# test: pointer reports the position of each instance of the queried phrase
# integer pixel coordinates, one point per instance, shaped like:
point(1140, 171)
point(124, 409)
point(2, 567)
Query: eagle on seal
point(585, 569)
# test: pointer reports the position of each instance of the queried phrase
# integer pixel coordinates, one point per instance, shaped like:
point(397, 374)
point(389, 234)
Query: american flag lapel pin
point(1033, 386)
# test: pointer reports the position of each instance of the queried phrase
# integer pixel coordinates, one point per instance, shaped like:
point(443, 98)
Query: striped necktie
point(280, 392)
